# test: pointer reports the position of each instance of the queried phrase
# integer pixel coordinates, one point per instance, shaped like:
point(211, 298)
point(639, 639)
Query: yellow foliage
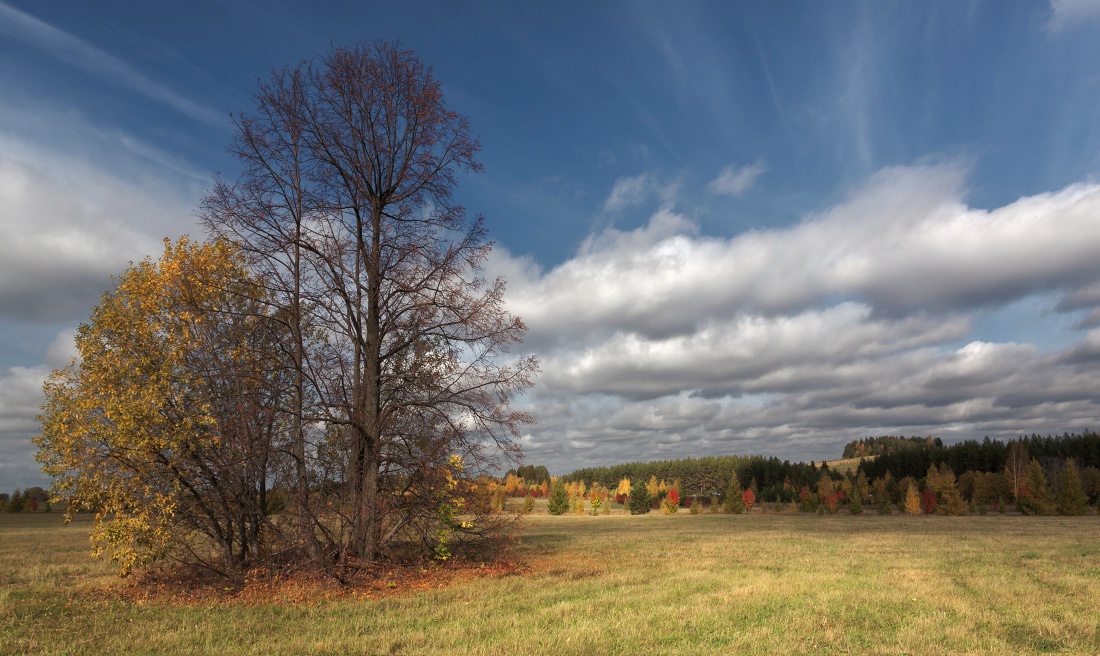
point(624, 487)
point(128, 429)
point(912, 501)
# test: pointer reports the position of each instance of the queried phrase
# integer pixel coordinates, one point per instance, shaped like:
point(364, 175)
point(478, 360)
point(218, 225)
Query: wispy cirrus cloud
point(734, 181)
point(80, 54)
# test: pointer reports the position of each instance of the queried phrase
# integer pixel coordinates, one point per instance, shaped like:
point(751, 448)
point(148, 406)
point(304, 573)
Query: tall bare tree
point(346, 196)
point(1016, 466)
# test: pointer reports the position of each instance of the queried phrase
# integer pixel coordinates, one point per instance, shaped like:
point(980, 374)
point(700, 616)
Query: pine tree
point(559, 498)
point(1071, 499)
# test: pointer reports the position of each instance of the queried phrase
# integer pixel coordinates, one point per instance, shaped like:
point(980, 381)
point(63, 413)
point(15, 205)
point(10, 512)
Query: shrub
point(528, 505)
point(559, 499)
point(855, 506)
point(809, 501)
point(695, 508)
point(748, 498)
point(671, 503)
point(928, 502)
point(596, 500)
point(579, 507)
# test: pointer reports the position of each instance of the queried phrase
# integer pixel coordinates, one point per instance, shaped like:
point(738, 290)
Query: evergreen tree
point(17, 503)
point(640, 499)
point(559, 498)
point(1071, 499)
point(735, 499)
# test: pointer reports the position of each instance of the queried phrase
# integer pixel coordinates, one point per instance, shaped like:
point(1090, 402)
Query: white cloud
point(68, 225)
point(20, 398)
point(1068, 13)
point(736, 181)
point(632, 191)
point(906, 242)
point(860, 320)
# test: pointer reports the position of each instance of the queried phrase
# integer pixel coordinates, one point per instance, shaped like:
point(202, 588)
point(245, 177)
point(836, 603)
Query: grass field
point(682, 584)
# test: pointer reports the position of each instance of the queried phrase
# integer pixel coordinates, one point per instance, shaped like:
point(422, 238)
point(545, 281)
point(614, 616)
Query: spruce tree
point(559, 498)
point(735, 499)
point(16, 503)
point(640, 500)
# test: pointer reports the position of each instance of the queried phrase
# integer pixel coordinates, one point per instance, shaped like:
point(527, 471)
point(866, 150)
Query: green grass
point(682, 584)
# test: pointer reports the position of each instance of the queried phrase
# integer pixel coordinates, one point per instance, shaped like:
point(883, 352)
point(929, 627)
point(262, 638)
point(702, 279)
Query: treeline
point(986, 456)
point(877, 446)
point(707, 476)
point(33, 499)
point(530, 473)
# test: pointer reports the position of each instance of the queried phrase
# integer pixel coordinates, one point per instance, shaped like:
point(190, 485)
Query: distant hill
point(886, 444)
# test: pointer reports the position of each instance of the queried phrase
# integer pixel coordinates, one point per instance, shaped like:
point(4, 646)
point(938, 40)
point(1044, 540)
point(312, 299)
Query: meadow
point(654, 584)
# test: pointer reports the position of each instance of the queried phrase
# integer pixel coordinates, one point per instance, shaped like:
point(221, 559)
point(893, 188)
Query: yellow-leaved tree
point(165, 426)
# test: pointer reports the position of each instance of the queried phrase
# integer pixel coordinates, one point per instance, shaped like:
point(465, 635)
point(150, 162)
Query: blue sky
point(731, 227)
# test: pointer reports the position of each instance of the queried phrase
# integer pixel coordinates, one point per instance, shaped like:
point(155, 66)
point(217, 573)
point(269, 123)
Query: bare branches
point(345, 208)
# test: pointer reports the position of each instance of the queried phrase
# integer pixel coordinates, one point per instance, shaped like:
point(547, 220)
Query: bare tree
point(346, 198)
point(1016, 466)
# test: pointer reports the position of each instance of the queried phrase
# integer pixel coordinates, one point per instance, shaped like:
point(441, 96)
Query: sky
point(730, 227)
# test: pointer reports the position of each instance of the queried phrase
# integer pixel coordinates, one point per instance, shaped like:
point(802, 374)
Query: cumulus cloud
point(905, 242)
point(859, 320)
point(736, 181)
point(20, 397)
point(68, 226)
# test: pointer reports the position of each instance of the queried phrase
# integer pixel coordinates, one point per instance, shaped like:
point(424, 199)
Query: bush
point(559, 499)
point(579, 507)
point(928, 502)
point(639, 498)
point(855, 506)
point(596, 500)
point(528, 505)
point(748, 498)
point(695, 508)
point(671, 503)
